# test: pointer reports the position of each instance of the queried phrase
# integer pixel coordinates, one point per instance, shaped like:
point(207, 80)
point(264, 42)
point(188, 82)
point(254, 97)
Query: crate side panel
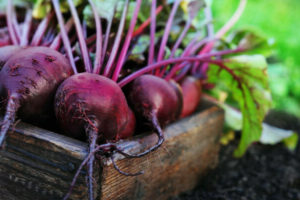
point(191, 148)
point(35, 164)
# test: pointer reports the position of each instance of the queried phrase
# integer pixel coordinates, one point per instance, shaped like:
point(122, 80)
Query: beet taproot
point(154, 100)
point(29, 80)
point(88, 100)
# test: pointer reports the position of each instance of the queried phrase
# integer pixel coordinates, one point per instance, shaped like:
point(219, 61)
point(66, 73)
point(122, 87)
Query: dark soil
point(264, 173)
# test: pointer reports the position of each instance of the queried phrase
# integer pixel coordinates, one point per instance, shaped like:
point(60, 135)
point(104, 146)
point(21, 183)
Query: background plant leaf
point(250, 91)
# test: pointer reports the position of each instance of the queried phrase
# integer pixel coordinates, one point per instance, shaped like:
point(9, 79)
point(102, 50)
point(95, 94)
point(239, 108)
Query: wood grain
point(191, 148)
point(40, 164)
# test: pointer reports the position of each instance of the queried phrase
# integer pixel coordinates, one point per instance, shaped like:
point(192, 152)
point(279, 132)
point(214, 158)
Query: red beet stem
point(93, 134)
point(9, 22)
point(152, 33)
point(184, 71)
point(159, 133)
point(82, 43)
point(106, 39)
point(26, 28)
point(209, 18)
point(108, 147)
point(181, 37)
point(126, 44)
point(232, 21)
point(210, 35)
point(203, 57)
point(235, 17)
point(64, 35)
point(146, 23)
point(11, 109)
point(115, 48)
point(97, 63)
point(84, 29)
point(166, 33)
point(122, 172)
point(39, 33)
point(16, 25)
point(189, 50)
point(84, 162)
point(160, 140)
point(57, 40)
point(179, 40)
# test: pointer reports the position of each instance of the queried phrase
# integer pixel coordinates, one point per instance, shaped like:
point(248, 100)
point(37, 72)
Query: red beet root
point(6, 52)
point(179, 94)
point(94, 106)
point(154, 100)
point(89, 101)
point(29, 80)
point(191, 89)
point(129, 127)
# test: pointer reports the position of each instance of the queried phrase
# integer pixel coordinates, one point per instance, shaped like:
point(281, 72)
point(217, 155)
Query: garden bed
point(264, 173)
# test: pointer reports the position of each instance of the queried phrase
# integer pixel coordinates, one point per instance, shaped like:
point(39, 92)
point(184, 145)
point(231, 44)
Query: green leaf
point(248, 83)
point(291, 142)
point(141, 47)
point(18, 3)
point(252, 40)
point(43, 7)
point(105, 10)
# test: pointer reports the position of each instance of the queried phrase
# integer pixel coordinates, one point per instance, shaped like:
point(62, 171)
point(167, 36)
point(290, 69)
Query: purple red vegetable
point(191, 92)
point(29, 80)
point(154, 100)
point(89, 105)
point(6, 52)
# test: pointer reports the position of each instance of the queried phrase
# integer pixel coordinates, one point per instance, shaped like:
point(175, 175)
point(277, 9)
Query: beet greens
point(91, 105)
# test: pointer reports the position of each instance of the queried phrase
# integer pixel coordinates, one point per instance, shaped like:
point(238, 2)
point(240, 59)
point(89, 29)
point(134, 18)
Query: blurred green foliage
point(278, 20)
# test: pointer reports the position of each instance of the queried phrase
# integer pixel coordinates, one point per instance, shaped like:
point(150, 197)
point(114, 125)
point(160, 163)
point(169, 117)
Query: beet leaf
point(248, 83)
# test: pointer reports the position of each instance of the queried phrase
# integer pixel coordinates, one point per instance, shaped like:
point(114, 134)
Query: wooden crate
point(39, 164)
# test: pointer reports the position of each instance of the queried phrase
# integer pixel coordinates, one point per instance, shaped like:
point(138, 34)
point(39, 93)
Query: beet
point(29, 80)
point(89, 101)
point(6, 52)
point(129, 128)
point(154, 100)
point(92, 106)
point(179, 94)
point(191, 89)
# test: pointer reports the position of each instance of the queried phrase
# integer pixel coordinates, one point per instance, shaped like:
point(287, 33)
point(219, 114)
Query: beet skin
point(29, 80)
point(191, 90)
point(154, 100)
point(86, 101)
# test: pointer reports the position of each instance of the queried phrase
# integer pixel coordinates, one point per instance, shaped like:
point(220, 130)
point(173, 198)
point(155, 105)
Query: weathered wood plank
point(191, 147)
point(40, 164)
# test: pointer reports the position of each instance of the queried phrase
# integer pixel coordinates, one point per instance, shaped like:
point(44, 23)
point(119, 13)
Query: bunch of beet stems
point(44, 35)
point(20, 40)
point(183, 63)
point(108, 72)
point(19, 35)
point(189, 61)
point(112, 69)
